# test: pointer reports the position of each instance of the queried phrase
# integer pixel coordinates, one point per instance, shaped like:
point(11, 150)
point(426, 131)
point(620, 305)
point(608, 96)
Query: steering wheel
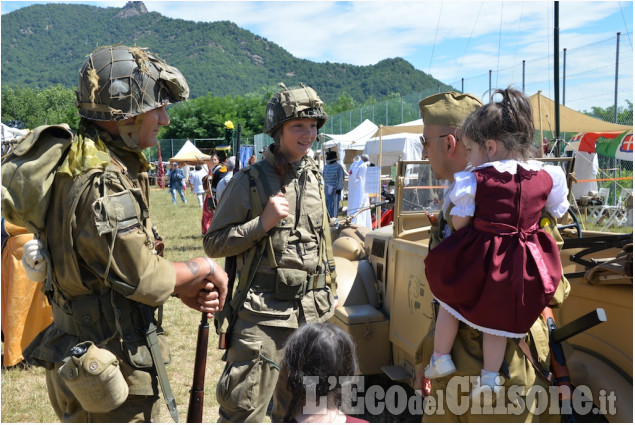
point(574, 225)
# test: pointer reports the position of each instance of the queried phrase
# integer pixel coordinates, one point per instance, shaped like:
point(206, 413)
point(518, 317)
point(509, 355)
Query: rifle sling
point(527, 351)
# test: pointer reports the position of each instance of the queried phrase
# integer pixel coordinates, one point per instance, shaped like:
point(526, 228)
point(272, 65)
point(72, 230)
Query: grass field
point(24, 396)
point(23, 390)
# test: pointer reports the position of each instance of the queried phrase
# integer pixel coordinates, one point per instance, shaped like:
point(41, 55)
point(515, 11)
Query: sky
point(458, 42)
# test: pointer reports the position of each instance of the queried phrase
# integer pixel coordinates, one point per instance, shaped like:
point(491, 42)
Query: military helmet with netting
point(119, 82)
point(293, 103)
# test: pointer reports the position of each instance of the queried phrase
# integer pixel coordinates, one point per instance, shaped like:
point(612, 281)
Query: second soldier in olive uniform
point(272, 217)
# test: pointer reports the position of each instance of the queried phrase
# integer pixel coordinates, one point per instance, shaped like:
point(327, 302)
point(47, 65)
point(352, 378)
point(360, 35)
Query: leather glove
point(33, 260)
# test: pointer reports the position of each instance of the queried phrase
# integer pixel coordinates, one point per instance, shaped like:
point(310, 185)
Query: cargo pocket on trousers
point(238, 386)
point(323, 304)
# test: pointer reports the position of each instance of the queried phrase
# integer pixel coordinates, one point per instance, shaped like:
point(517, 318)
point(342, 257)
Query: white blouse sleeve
point(557, 202)
point(462, 194)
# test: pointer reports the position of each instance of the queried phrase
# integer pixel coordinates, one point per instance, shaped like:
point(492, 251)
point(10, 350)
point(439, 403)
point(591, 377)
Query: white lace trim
point(491, 331)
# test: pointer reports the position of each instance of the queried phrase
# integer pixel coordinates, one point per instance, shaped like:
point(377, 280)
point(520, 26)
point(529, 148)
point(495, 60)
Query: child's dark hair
point(319, 350)
point(508, 121)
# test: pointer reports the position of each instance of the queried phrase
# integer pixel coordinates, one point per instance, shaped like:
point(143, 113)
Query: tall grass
point(24, 397)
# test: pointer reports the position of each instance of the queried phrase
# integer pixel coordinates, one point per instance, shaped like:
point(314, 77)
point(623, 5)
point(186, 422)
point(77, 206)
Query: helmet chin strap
point(130, 132)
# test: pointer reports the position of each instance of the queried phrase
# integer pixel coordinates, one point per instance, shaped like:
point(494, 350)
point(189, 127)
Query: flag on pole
point(160, 170)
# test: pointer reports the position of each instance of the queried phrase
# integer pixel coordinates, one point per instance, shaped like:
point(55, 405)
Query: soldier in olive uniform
point(443, 114)
point(107, 279)
point(272, 218)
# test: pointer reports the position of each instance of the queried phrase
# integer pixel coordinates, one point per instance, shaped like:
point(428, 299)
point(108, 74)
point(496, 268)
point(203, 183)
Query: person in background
point(272, 218)
point(313, 356)
point(219, 172)
point(209, 203)
point(334, 178)
point(176, 177)
point(222, 184)
point(107, 279)
point(357, 195)
point(196, 180)
point(252, 160)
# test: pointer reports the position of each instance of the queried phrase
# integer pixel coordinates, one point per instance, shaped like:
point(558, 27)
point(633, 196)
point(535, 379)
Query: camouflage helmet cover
point(293, 103)
point(120, 82)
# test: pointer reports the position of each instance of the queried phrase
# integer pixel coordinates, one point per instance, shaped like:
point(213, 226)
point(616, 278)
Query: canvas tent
point(9, 133)
point(414, 127)
point(543, 110)
point(189, 154)
point(344, 142)
point(405, 146)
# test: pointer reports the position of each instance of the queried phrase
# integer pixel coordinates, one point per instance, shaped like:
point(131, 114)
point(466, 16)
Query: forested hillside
point(44, 45)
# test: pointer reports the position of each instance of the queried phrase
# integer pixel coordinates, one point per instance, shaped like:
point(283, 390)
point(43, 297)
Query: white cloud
point(449, 39)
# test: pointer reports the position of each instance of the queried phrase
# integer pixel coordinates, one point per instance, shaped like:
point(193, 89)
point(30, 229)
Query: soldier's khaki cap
point(448, 109)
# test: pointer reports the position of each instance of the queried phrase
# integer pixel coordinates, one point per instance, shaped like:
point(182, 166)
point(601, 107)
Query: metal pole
point(524, 78)
point(490, 85)
point(617, 68)
point(239, 133)
point(564, 76)
point(556, 72)
point(462, 85)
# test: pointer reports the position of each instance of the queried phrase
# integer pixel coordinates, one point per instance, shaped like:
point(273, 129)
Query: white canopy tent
point(396, 146)
point(356, 137)
point(189, 154)
point(9, 133)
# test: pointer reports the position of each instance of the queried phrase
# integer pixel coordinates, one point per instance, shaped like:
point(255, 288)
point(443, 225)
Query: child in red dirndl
point(510, 268)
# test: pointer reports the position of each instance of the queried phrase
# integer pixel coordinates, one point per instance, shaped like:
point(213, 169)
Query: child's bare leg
point(493, 351)
point(445, 332)
point(441, 363)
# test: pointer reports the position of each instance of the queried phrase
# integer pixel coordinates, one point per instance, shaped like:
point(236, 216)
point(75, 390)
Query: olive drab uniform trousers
point(467, 354)
point(79, 237)
point(265, 316)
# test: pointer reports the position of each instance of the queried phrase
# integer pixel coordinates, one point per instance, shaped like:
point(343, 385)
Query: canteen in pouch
point(94, 377)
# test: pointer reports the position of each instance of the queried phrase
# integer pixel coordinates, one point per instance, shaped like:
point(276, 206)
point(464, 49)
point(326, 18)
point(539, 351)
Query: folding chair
point(595, 212)
point(622, 213)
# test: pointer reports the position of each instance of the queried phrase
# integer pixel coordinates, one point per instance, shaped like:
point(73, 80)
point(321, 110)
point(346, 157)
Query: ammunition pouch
point(94, 377)
point(289, 284)
point(92, 318)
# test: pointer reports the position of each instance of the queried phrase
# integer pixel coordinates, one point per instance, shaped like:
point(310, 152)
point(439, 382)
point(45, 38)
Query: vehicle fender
point(604, 381)
point(349, 248)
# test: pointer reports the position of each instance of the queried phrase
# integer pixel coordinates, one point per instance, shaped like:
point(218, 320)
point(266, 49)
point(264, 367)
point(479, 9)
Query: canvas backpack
point(28, 173)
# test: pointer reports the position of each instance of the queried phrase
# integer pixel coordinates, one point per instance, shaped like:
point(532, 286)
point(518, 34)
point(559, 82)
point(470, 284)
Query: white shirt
point(464, 189)
point(196, 180)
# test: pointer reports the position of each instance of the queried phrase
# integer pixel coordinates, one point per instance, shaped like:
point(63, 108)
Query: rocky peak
point(132, 8)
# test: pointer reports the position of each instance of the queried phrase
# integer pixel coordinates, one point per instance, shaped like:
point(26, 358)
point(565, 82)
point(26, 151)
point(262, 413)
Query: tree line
point(201, 117)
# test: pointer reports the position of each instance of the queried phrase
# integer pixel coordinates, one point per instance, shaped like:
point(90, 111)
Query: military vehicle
point(386, 306)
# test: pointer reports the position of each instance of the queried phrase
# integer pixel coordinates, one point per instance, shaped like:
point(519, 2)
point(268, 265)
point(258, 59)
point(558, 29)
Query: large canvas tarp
point(189, 154)
point(543, 110)
point(414, 127)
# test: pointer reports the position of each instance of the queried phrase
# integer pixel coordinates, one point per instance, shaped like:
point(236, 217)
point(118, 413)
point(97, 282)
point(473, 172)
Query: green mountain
point(46, 44)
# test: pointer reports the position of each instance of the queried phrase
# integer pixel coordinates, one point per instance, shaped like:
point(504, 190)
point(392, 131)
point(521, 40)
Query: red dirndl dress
point(500, 272)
